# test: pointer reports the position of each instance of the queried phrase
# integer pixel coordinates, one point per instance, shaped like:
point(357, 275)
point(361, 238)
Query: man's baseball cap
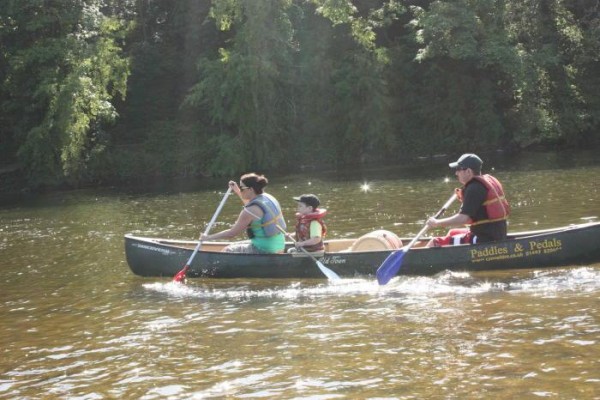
point(468, 160)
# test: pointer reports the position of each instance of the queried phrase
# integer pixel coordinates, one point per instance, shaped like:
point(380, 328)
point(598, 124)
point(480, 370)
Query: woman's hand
point(205, 238)
point(234, 186)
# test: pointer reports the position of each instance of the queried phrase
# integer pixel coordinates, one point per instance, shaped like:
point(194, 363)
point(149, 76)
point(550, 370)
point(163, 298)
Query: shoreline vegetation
point(98, 93)
point(13, 188)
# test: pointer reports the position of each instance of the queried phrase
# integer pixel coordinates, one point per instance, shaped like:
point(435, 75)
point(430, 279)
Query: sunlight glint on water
point(77, 324)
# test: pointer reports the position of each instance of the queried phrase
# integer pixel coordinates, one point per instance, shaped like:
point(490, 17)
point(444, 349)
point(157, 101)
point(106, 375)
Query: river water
point(77, 324)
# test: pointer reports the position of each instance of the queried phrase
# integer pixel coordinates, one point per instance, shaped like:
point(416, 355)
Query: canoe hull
point(573, 245)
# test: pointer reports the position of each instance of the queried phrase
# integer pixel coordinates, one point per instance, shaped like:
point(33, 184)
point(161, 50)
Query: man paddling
point(484, 206)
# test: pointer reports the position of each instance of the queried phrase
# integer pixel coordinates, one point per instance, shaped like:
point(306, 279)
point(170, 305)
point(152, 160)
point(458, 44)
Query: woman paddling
point(259, 218)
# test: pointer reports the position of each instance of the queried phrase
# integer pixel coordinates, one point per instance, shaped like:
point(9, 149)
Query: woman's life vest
point(303, 228)
point(496, 205)
point(272, 217)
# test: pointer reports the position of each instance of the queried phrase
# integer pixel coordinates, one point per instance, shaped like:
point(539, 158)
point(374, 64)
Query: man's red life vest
point(495, 204)
point(303, 228)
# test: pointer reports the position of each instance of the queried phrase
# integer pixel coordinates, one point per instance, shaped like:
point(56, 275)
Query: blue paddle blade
point(390, 267)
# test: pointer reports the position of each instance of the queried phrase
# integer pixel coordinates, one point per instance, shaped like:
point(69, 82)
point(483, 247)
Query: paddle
point(391, 265)
point(180, 276)
point(332, 276)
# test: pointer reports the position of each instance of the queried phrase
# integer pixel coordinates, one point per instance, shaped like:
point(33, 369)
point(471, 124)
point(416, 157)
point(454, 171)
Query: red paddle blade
point(180, 276)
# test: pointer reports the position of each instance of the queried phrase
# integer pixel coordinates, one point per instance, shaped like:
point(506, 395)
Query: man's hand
point(433, 222)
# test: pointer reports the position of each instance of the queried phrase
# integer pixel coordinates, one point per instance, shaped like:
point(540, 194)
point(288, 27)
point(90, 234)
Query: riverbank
point(13, 187)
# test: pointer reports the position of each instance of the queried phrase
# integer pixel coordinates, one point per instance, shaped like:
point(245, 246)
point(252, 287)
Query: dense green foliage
point(62, 67)
point(104, 90)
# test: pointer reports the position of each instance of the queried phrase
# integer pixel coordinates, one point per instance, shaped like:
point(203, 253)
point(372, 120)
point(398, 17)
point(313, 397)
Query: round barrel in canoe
point(377, 240)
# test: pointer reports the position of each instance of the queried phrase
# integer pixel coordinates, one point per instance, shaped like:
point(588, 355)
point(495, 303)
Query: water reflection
point(77, 324)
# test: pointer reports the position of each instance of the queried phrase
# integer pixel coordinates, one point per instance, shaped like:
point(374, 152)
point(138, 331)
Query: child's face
point(303, 208)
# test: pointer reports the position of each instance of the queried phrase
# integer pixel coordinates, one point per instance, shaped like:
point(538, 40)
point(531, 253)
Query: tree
point(245, 87)
point(63, 66)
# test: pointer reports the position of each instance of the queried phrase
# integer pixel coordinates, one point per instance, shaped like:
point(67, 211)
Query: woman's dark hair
point(254, 181)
